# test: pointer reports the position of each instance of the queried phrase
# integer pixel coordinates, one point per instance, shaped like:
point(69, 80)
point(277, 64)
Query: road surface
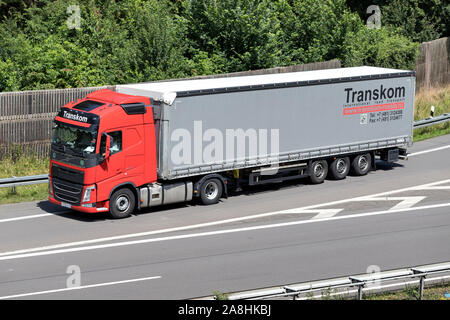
point(395, 217)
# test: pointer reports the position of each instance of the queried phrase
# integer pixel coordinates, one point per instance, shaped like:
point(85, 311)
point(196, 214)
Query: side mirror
point(108, 146)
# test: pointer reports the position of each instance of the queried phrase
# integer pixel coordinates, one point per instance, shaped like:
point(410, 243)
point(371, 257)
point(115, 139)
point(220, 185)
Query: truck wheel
point(318, 171)
point(211, 191)
point(339, 168)
point(361, 164)
point(122, 203)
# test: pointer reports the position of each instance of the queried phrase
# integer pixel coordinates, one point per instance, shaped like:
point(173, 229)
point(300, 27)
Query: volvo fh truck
point(149, 144)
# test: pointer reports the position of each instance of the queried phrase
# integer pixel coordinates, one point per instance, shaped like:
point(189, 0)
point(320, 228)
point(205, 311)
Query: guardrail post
point(421, 286)
point(360, 287)
point(360, 283)
point(13, 188)
point(422, 276)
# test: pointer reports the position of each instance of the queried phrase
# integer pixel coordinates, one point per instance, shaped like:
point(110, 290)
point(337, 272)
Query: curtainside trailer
point(150, 144)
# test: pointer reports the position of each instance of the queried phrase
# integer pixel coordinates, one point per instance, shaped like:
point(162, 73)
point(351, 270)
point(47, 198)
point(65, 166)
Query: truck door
point(111, 170)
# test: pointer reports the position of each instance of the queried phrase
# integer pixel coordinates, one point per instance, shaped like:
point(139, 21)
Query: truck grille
point(67, 174)
point(67, 191)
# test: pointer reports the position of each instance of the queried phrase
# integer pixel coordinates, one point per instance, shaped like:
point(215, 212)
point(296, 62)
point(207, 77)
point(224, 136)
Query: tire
point(361, 164)
point(339, 168)
point(122, 203)
point(318, 171)
point(211, 191)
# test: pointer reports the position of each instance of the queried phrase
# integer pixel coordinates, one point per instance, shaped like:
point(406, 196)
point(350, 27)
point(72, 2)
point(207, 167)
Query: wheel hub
point(318, 170)
point(341, 166)
point(363, 163)
point(211, 190)
point(122, 203)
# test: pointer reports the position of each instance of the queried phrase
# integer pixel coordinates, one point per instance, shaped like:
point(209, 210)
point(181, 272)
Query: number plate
point(67, 205)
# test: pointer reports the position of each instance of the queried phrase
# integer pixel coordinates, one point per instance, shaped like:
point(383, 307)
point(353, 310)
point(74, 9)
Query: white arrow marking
point(320, 213)
point(406, 202)
point(323, 213)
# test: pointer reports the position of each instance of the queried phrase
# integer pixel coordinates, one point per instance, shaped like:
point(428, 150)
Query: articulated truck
point(149, 144)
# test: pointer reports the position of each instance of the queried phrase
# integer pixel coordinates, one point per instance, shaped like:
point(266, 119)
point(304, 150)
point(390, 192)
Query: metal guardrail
point(361, 282)
point(23, 181)
point(43, 178)
point(432, 121)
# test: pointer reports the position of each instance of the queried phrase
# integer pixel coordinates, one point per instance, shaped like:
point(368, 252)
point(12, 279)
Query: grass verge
point(23, 166)
point(439, 291)
point(440, 99)
point(435, 292)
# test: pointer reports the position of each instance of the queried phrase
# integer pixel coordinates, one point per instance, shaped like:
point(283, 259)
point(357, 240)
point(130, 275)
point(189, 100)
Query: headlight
point(87, 193)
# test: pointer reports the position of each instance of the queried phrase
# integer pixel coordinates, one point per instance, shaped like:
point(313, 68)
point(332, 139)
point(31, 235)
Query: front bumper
point(104, 208)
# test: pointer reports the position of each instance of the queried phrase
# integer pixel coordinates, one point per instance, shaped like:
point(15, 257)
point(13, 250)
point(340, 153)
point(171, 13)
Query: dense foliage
point(141, 40)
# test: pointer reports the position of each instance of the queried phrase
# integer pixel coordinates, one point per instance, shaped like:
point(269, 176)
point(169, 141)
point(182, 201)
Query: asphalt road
point(264, 237)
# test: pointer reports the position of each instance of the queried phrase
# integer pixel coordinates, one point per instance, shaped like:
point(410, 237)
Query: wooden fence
point(26, 116)
point(432, 65)
point(26, 119)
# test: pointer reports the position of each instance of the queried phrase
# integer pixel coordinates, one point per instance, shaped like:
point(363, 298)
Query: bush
point(142, 40)
point(379, 47)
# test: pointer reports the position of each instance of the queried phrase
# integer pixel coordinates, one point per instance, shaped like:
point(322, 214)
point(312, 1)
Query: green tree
point(315, 30)
point(379, 47)
point(118, 42)
point(419, 20)
point(236, 34)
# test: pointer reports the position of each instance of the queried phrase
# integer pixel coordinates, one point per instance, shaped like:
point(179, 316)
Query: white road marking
point(323, 213)
point(217, 232)
point(78, 288)
point(406, 202)
point(27, 217)
point(437, 188)
point(428, 151)
point(216, 223)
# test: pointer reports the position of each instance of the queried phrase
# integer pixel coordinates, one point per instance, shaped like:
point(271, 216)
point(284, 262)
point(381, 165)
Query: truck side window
point(116, 144)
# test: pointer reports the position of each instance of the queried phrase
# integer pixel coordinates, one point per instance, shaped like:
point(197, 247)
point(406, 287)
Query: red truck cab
point(103, 148)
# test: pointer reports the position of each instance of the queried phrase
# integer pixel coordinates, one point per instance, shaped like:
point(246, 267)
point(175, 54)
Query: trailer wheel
point(211, 191)
point(122, 203)
point(339, 168)
point(361, 164)
point(318, 171)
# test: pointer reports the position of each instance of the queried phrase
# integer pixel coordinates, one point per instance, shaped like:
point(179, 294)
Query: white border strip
point(428, 151)
point(78, 288)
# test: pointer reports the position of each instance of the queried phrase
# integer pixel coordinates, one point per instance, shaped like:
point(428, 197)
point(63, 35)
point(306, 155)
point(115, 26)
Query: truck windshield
point(74, 139)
